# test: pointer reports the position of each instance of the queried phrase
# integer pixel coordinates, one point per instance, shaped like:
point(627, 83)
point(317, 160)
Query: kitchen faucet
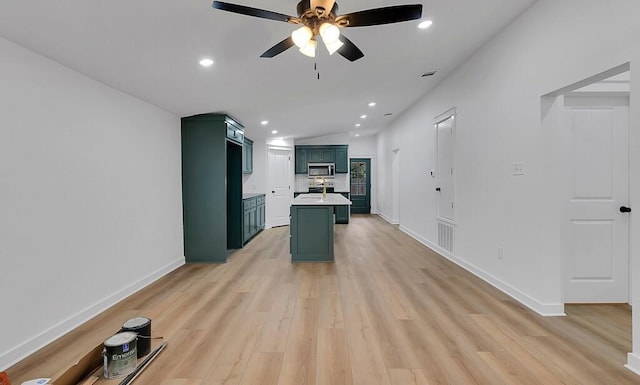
point(324, 185)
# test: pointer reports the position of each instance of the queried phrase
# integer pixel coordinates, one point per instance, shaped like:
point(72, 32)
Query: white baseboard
point(20, 352)
point(544, 309)
point(386, 218)
point(633, 363)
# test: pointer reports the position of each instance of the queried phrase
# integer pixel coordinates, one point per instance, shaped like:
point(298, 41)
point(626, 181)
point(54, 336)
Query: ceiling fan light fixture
point(333, 47)
point(310, 48)
point(330, 33)
point(302, 36)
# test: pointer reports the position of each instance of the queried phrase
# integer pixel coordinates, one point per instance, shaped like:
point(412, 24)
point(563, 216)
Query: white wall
point(325, 140)
point(497, 95)
point(90, 198)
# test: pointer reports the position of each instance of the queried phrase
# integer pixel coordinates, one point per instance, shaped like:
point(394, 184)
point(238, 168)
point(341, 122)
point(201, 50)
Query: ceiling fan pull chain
point(315, 68)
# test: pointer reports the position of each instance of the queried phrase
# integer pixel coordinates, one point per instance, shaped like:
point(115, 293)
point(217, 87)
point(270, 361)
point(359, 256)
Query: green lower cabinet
point(246, 225)
point(253, 217)
point(311, 232)
point(342, 212)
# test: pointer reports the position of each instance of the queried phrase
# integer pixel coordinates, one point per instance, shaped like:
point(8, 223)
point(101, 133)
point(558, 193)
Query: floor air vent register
point(446, 236)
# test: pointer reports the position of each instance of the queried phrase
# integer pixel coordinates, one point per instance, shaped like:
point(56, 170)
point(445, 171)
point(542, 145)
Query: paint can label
point(120, 355)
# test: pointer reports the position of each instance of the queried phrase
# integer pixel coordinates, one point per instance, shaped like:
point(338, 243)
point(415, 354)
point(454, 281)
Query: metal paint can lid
point(120, 339)
point(136, 322)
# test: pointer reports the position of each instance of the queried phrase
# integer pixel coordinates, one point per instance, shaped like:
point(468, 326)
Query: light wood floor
point(389, 311)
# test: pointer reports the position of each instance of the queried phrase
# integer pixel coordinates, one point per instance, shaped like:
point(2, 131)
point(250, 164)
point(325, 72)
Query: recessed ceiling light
point(274, 132)
point(357, 135)
point(425, 24)
point(358, 124)
point(363, 116)
point(264, 122)
point(372, 104)
point(206, 62)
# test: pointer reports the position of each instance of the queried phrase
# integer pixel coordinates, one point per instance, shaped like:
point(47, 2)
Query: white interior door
point(597, 263)
point(280, 193)
point(445, 171)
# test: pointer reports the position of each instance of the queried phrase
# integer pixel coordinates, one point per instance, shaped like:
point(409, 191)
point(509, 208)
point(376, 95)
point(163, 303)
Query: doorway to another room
point(280, 193)
point(593, 129)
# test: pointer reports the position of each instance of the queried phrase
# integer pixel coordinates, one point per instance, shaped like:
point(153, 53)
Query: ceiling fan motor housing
point(320, 12)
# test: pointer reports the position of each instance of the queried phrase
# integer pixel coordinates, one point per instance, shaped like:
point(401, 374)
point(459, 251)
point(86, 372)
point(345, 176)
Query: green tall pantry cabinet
point(211, 186)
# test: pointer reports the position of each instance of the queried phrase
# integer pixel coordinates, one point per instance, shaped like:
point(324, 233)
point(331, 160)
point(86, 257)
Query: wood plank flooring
point(388, 312)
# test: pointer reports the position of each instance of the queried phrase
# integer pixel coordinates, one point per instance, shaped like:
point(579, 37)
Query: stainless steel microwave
point(327, 170)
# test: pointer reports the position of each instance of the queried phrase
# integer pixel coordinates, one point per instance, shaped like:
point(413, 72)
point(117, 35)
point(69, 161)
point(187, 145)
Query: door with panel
point(445, 168)
point(596, 265)
point(360, 181)
point(280, 194)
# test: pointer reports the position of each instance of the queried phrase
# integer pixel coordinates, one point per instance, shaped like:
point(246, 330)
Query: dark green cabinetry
point(301, 160)
point(342, 161)
point(211, 155)
point(253, 216)
point(247, 156)
point(235, 131)
point(311, 232)
point(342, 212)
point(322, 154)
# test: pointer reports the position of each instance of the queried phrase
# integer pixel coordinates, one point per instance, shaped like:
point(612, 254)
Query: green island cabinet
point(247, 156)
point(211, 154)
point(337, 154)
point(342, 213)
point(311, 233)
point(253, 216)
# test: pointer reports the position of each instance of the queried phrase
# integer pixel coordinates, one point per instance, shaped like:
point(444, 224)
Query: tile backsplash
point(340, 183)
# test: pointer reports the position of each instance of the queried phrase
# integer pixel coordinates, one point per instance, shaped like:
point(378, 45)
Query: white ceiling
point(150, 49)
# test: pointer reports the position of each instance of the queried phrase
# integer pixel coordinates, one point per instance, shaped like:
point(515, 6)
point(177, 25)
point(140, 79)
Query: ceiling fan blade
point(249, 11)
point(279, 48)
point(349, 50)
point(377, 16)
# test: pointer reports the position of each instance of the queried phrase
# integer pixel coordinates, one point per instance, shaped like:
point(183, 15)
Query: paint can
point(142, 327)
point(120, 355)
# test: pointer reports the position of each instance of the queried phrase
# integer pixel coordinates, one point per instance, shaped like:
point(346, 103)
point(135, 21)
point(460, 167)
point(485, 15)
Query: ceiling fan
point(320, 17)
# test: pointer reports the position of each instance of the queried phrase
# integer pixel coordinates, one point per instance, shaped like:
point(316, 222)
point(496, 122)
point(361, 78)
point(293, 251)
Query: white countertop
point(316, 200)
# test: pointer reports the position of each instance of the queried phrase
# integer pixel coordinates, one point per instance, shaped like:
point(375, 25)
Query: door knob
point(273, 191)
point(437, 188)
point(625, 209)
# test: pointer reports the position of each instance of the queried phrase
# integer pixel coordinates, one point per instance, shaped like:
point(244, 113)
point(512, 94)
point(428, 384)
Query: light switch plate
point(518, 168)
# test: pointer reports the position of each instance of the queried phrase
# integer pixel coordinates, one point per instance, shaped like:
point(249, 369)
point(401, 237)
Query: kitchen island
point(311, 227)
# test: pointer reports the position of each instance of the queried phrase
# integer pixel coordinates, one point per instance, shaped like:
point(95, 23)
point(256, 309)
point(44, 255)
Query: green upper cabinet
point(301, 160)
point(322, 154)
point(342, 161)
point(235, 131)
point(247, 156)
